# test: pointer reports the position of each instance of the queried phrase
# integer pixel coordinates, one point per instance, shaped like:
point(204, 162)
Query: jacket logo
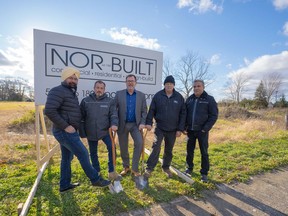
point(104, 106)
point(175, 101)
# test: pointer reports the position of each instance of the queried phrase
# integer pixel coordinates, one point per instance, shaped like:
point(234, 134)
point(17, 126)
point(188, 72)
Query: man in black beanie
point(168, 110)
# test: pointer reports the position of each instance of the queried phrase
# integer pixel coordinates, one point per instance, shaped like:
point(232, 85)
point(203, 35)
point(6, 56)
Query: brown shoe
point(168, 173)
point(114, 176)
point(125, 171)
point(135, 174)
point(147, 173)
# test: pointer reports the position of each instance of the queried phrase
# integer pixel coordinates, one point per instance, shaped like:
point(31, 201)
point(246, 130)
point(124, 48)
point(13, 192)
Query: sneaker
point(125, 171)
point(101, 183)
point(114, 176)
point(204, 178)
point(73, 185)
point(188, 172)
point(168, 173)
point(147, 173)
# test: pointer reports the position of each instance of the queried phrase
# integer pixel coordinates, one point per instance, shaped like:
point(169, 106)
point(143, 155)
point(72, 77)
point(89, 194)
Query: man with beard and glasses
point(132, 110)
point(98, 115)
point(62, 108)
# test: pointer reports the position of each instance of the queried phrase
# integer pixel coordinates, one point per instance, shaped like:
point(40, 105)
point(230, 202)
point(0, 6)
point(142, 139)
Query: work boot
point(71, 186)
point(204, 178)
point(135, 173)
point(168, 173)
point(114, 176)
point(101, 183)
point(188, 172)
point(125, 171)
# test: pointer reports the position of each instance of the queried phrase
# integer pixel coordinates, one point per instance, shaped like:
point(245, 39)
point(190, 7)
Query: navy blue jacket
point(62, 107)
point(169, 113)
point(202, 112)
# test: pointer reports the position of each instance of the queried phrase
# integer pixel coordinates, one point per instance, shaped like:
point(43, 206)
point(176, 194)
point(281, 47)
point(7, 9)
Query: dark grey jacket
point(169, 113)
point(202, 112)
point(98, 114)
point(62, 107)
point(121, 106)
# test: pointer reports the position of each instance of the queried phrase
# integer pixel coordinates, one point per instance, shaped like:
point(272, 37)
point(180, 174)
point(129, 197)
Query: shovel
point(142, 181)
point(115, 186)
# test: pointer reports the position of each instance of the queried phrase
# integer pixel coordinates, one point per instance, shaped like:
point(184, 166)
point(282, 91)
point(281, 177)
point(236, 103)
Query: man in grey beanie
point(168, 110)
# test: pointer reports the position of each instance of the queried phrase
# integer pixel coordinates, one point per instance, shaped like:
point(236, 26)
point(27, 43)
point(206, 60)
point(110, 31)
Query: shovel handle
point(112, 137)
point(143, 133)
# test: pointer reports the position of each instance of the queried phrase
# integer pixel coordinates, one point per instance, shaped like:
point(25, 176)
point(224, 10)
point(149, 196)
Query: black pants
point(169, 140)
point(202, 138)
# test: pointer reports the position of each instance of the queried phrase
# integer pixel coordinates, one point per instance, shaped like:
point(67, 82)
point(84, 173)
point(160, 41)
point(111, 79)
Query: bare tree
point(272, 82)
point(14, 89)
point(236, 86)
point(168, 68)
point(191, 67)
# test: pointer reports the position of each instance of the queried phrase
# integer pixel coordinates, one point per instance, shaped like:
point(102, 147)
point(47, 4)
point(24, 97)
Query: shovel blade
point(115, 187)
point(141, 182)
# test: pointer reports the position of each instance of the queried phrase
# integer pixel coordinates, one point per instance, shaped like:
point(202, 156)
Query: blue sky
point(236, 36)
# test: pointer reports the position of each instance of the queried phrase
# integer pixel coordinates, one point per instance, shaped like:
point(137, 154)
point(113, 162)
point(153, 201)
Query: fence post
point(286, 121)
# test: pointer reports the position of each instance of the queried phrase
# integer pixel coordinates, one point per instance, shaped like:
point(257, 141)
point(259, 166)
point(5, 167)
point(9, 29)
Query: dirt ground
point(265, 194)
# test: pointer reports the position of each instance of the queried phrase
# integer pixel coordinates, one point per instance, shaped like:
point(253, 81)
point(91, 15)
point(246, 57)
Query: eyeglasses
point(130, 81)
point(197, 86)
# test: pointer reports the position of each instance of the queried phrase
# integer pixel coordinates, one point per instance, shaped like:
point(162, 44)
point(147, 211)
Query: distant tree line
point(15, 89)
point(192, 66)
point(268, 87)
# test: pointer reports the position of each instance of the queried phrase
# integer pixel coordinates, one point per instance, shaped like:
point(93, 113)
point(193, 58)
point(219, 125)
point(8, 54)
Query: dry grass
point(229, 130)
point(9, 111)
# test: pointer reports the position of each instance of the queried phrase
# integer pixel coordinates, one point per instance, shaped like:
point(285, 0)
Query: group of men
point(127, 114)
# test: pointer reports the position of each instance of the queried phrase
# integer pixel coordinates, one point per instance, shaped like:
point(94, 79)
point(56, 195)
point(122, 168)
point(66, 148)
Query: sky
point(235, 36)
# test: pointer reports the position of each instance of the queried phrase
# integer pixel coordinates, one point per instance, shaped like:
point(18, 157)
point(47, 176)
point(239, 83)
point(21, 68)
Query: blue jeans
point(70, 145)
point(93, 147)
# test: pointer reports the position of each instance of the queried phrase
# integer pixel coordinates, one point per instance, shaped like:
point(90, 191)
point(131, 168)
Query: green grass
point(229, 162)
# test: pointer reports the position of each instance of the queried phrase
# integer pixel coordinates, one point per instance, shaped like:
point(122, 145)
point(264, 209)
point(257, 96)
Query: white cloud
point(17, 59)
point(201, 6)
point(285, 29)
point(280, 4)
point(215, 59)
point(261, 66)
point(246, 61)
point(132, 38)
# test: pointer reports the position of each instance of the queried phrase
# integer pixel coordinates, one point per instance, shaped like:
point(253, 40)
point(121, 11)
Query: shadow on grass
point(67, 205)
point(121, 203)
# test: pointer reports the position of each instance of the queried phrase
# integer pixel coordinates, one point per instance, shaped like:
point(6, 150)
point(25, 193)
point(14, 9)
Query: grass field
point(239, 148)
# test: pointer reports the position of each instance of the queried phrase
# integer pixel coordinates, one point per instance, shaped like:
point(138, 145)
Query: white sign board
point(96, 60)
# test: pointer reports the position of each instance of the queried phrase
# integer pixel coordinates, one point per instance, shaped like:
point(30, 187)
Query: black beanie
point(169, 79)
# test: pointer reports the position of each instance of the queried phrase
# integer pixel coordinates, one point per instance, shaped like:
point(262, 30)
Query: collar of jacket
point(164, 93)
point(203, 95)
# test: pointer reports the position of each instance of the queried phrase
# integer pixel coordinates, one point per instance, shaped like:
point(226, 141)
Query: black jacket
point(62, 107)
point(169, 113)
point(98, 114)
point(202, 112)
